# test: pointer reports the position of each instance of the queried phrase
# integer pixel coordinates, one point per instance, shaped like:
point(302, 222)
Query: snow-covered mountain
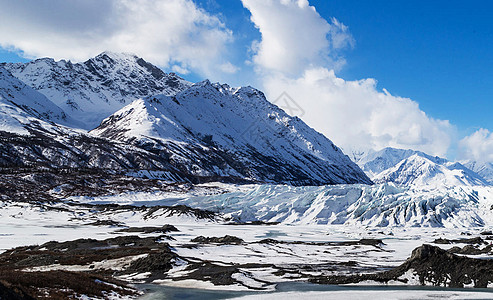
point(207, 131)
point(375, 162)
point(216, 130)
point(32, 134)
point(418, 170)
point(21, 105)
point(93, 90)
point(484, 169)
point(415, 168)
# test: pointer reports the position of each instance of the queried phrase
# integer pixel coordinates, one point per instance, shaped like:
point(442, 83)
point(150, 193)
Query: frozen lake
point(287, 291)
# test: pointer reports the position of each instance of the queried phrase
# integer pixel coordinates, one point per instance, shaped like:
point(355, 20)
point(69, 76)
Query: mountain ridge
point(92, 90)
point(415, 168)
point(484, 169)
point(204, 130)
point(225, 119)
point(420, 171)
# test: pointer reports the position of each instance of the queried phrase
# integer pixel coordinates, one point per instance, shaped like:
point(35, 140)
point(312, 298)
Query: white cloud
point(296, 54)
point(355, 115)
point(229, 68)
point(164, 32)
point(179, 69)
point(294, 36)
point(477, 146)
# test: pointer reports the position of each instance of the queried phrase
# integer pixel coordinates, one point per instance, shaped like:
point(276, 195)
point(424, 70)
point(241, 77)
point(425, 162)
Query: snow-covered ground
point(22, 225)
point(319, 232)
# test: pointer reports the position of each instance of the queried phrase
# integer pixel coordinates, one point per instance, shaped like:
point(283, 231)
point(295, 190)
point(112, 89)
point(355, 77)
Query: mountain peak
point(375, 162)
point(213, 129)
point(420, 170)
point(93, 90)
point(116, 55)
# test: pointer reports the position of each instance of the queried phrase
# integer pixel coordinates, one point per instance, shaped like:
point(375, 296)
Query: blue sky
point(437, 53)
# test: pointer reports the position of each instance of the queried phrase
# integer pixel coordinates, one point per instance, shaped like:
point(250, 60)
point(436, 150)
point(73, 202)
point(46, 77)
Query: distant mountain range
point(149, 120)
point(484, 169)
point(416, 169)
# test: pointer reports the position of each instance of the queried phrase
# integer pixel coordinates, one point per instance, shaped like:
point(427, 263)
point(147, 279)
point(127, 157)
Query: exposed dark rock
point(158, 263)
point(163, 229)
point(80, 252)
point(7, 291)
point(470, 250)
point(227, 239)
point(370, 242)
point(476, 240)
point(219, 275)
point(223, 275)
point(106, 223)
point(432, 266)
point(440, 268)
point(58, 285)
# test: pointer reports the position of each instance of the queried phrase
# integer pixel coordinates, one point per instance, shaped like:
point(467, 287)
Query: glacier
point(380, 205)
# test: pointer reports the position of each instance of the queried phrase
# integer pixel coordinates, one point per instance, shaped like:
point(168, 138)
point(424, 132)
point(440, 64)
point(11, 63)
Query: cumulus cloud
point(229, 68)
point(296, 55)
point(294, 36)
point(355, 115)
point(477, 146)
point(165, 32)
